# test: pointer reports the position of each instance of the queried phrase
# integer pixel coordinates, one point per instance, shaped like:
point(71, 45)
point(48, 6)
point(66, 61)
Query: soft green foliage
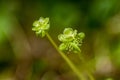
point(71, 40)
point(41, 26)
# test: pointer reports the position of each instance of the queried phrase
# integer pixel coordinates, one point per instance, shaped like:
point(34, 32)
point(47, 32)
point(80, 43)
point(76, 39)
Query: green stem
point(90, 76)
point(72, 66)
point(83, 61)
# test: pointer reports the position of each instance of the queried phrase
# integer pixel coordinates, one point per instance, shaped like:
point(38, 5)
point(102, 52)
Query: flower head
point(71, 40)
point(68, 35)
point(41, 26)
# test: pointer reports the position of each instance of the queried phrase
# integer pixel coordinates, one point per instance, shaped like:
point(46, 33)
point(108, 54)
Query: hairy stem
point(72, 66)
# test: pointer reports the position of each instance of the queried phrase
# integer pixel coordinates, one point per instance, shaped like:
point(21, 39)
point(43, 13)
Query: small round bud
point(81, 35)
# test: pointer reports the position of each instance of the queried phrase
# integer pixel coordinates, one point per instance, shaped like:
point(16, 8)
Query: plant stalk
point(72, 66)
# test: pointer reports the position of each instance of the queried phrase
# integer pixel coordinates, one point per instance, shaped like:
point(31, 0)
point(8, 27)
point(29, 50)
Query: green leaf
point(36, 23)
point(61, 37)
point(43, 34)
point(62, 47)
point(75, 46)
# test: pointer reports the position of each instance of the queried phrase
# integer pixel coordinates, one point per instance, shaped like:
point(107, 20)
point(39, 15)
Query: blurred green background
point(24, 56)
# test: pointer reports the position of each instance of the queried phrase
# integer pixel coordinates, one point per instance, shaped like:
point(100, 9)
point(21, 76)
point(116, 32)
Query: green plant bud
point(71, 41)
point(68, 31)
point(41, 26)
point(81, 35)
point(68, 35)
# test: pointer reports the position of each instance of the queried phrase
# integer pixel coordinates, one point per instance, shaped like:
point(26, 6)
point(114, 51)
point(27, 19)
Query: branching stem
point(72, 66)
